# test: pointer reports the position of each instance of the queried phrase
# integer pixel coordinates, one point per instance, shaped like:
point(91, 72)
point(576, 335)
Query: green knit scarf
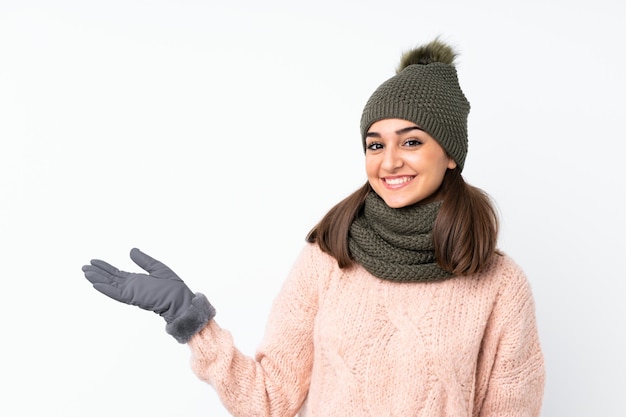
point(396, 244)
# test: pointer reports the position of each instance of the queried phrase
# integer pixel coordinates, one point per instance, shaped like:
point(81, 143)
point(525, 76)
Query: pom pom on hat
point(425, 91)
point(435, 51)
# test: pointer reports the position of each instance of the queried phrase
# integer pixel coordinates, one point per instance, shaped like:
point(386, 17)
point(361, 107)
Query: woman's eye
point(413, 142)
point(374, 146)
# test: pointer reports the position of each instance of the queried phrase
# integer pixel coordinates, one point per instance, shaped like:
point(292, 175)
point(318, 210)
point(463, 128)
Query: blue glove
point(160, 291)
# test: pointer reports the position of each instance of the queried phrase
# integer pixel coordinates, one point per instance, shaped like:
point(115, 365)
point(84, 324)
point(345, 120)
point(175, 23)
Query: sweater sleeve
point(511, 374)
point(275, 382)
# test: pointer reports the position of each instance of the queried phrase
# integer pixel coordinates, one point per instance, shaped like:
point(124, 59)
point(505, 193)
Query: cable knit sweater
point(345, 343)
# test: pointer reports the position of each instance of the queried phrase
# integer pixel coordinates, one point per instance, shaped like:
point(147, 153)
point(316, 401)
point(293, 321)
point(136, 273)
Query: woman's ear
point(451, 163)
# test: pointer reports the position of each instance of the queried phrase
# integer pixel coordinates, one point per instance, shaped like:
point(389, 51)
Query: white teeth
point(397, 181)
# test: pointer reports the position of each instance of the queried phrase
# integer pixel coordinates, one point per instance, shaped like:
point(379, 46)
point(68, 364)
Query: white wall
point(199, 131)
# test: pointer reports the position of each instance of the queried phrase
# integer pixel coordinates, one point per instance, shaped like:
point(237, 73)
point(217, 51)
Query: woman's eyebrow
point(408, 129)
point(398, 132)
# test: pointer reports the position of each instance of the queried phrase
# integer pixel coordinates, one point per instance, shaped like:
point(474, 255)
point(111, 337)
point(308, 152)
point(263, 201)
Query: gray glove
point(160, 291)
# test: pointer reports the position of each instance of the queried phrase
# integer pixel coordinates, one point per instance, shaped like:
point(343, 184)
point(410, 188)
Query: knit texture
point(344, 343)
point(428, 94)
point(396, 244)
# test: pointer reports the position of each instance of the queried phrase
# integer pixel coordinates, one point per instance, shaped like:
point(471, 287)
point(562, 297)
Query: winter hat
point(425, 91)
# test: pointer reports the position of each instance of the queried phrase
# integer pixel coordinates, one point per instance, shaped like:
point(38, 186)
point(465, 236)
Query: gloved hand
point(160, 291)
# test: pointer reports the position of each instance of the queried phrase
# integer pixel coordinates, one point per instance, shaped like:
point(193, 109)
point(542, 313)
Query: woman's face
point(404, 164)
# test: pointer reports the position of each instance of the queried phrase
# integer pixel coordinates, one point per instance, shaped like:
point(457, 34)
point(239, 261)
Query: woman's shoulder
point(314, 262)
point(506, 274)
point(312, 253)
point(504, 264)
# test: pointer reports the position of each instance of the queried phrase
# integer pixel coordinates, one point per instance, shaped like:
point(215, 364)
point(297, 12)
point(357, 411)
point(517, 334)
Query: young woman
point(399, 304)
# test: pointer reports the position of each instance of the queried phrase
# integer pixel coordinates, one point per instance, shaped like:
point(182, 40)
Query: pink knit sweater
point(345, 343)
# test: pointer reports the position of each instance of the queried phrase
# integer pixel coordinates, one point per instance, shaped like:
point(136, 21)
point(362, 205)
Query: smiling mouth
point(397, 181)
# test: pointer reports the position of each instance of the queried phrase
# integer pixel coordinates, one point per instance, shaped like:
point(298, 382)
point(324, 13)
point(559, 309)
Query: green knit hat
point(425, 91)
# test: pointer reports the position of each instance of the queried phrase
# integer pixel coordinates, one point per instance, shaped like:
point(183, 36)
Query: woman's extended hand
point(160, 291)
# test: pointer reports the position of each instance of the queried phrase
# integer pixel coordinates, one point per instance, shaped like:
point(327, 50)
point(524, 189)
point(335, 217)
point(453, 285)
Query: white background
point(214, 136)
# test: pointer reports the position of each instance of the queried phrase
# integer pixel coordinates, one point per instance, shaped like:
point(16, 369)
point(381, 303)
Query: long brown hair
point(465, 232)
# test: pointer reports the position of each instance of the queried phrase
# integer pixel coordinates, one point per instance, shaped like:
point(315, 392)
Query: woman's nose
point(392, 159)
